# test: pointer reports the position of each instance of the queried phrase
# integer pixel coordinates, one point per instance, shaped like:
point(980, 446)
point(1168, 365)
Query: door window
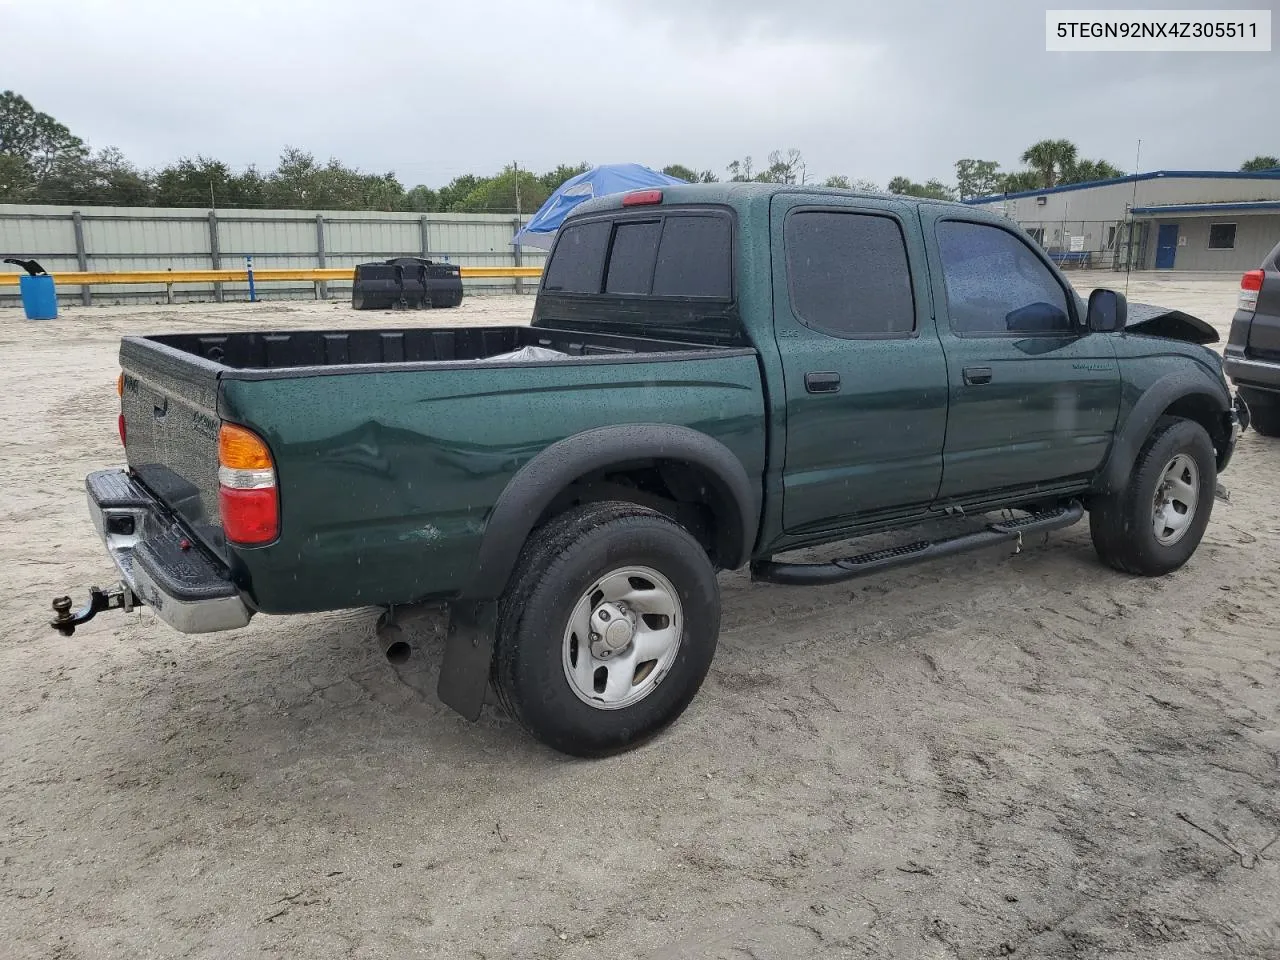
point(996, 285)
point(848, 274)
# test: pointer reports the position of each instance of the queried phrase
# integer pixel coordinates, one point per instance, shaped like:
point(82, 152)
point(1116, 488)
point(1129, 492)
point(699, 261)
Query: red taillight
point(1250, 286)
point(640, 198)
point(247, 495)
point(249, 517)
point(120, 426)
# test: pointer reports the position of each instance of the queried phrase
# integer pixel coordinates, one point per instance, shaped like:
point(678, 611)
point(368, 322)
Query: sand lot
point(996, 754)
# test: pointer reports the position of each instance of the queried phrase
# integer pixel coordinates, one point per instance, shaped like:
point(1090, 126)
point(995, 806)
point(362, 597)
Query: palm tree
point(1085, 171)
point(1050, 159)
point(1260, 163)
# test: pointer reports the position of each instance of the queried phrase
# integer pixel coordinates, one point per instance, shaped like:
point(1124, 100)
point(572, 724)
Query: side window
point(996, 285)
point(848, 274)
point(694, 258)
point(635, 247)
point(578, 260)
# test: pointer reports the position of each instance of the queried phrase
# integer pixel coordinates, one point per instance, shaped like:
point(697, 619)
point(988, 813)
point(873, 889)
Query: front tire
point(1153, 525)
point(607, 628)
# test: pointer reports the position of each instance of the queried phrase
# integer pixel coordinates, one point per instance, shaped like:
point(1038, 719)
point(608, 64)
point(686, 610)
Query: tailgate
point(169, 403)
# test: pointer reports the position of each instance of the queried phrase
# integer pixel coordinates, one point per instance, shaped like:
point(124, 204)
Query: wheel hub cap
point(613, 627)
point(1176, 500)
point(622, 638)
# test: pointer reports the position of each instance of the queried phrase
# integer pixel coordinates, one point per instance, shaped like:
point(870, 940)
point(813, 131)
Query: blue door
point(1166, 246)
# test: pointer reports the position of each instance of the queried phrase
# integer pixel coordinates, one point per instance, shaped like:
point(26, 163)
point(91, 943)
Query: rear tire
point(1153, 525)
point(1264, 411)
point(649, 588)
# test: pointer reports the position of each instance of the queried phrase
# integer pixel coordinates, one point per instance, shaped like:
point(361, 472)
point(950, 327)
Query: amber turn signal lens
point(242, 449)
point(120, 385)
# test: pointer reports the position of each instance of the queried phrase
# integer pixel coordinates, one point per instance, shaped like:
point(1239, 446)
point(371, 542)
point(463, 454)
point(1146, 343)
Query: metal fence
point(145, 238)
point(1091, 244)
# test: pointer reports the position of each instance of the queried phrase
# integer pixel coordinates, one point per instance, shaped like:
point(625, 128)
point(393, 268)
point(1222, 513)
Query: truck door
point(866, 380)
point(1034, 395)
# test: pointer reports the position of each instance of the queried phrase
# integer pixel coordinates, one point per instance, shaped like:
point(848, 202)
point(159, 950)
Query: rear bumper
point(1258, 374)
point(188, 589)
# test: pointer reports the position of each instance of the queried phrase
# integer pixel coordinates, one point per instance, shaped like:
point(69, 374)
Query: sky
point(431, 90)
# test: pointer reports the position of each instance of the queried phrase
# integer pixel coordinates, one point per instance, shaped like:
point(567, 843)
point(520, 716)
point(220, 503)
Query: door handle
point(822, 382)
point(977, 375)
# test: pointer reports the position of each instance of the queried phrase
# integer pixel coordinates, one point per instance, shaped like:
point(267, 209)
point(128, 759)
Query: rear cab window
point(579, 258)
point(631, 260)
point(663, 272)
point(672, 254)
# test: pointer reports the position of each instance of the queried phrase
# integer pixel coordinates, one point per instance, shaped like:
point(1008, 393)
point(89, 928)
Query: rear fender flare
point(542, 479)
point(1157, 398)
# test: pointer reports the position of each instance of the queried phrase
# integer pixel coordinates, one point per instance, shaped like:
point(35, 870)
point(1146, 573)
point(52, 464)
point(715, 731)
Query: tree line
point(42, 161)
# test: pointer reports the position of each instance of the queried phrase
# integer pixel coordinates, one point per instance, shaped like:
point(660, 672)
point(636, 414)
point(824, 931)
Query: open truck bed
point(390, 448)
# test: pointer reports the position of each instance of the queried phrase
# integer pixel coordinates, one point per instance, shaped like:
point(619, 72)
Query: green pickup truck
point(715, 375)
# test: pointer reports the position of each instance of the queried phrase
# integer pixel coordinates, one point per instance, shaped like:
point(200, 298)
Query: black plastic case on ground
point(406, 282)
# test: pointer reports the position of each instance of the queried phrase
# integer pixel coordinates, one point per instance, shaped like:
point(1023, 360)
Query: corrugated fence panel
point(257, 237)
point(369, 240)
point(36, 237)
point(145, 238)
point(458, 238)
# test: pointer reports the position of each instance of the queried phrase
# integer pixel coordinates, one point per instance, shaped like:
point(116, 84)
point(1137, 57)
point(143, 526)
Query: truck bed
point(392, 446)
point(289, 350)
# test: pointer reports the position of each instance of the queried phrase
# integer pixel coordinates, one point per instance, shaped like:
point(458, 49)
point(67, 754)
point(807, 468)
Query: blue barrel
point(39, 299)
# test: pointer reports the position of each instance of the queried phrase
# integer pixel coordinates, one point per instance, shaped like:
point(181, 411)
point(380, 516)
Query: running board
point(847, 568)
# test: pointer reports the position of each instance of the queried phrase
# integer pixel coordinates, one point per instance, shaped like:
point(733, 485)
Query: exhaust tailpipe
point(395, 646)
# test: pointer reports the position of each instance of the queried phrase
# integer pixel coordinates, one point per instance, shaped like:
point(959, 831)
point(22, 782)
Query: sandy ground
point(997, 754)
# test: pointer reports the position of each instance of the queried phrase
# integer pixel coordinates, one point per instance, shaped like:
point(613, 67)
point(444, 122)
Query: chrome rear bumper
point(187, 588)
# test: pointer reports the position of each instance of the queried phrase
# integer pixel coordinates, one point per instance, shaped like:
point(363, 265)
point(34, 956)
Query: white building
point(1164, 220)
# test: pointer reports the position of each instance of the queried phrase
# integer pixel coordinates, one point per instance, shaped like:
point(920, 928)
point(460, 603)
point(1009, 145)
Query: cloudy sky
point(432, 90)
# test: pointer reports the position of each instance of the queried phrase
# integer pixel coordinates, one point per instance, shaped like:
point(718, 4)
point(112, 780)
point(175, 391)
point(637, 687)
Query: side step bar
point(848, 568)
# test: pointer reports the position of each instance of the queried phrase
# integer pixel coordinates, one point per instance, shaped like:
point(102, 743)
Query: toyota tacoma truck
point(714, 376)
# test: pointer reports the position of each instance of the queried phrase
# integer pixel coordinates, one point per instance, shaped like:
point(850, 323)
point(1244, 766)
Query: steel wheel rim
point(622, 637)
point(1176, 500)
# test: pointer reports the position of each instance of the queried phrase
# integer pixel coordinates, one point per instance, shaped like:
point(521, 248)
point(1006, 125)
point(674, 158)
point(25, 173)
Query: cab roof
point(740, 194)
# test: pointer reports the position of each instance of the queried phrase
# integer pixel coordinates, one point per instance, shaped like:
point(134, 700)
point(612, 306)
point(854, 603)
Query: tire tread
point(539, 568)
point(1112, 518)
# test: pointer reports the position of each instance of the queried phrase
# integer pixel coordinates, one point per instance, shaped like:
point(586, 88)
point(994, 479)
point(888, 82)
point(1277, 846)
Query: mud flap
point(468, 654)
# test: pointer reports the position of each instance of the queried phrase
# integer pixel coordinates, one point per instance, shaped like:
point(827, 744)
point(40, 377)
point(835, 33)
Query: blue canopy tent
point(541, 229)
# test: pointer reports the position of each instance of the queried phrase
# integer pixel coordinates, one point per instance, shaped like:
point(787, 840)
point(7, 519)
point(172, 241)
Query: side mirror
point(1108, 311)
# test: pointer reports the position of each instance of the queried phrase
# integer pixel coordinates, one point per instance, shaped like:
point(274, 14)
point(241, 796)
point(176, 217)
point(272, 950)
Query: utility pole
point(1133, 202)
point(212, 203)
point(517, 257)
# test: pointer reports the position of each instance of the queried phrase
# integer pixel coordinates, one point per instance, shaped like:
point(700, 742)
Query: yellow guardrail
point(311, 274)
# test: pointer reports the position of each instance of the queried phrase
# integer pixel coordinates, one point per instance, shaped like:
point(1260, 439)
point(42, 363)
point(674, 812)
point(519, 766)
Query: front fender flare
point(1133, 432)
point(542, 479)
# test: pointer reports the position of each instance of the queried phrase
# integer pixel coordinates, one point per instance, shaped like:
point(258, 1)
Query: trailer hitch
point(118, 597)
